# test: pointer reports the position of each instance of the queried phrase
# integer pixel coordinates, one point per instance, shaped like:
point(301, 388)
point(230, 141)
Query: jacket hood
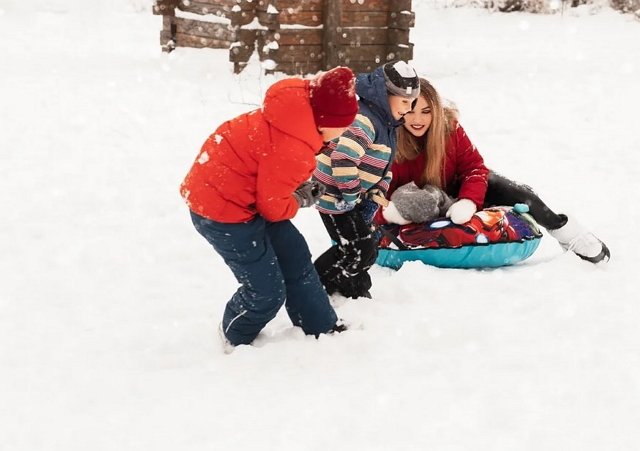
point(287, 107)
point(372, 91)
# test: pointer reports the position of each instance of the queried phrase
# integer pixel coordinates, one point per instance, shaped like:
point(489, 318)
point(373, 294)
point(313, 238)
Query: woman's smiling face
point(418, 120)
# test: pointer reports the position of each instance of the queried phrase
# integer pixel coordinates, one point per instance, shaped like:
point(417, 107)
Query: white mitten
point(461, 211)
point(391, 214)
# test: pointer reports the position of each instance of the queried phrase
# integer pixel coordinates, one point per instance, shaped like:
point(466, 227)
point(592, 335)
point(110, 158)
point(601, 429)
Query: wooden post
point(165, 7)
point(399, 21)
point(244, 39)
point(332, 13)
point(168, 34)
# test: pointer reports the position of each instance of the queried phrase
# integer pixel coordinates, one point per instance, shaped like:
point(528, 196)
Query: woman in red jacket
point(434, 149)
point(249, 179)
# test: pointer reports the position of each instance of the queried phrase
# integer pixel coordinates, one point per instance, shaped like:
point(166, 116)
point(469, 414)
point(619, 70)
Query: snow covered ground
point(109, 299)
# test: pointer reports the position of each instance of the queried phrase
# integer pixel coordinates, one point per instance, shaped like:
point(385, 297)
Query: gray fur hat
point(420, 205)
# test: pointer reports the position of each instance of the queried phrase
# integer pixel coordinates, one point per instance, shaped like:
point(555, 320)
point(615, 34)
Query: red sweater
point(464, 173)
point(252, 164)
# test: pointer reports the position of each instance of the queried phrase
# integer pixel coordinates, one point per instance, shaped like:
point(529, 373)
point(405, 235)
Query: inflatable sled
point(496, 236)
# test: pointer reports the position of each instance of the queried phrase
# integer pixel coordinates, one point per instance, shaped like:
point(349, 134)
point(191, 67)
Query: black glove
point(308, 193)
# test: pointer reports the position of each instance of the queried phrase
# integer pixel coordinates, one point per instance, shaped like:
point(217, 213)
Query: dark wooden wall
point(294, 37)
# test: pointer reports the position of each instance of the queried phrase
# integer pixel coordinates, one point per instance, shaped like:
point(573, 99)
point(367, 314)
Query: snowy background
point(109, 299)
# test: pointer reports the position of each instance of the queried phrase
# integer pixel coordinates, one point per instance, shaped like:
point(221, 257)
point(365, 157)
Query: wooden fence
point(294, 37)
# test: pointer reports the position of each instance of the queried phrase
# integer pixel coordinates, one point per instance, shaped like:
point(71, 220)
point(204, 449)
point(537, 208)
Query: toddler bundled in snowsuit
point(355, 170)
point(249, 179)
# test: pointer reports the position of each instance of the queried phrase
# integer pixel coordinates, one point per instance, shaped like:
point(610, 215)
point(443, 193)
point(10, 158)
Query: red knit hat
point(333, 98)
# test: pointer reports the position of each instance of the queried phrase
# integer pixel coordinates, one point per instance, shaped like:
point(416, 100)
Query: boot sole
point(604, 255)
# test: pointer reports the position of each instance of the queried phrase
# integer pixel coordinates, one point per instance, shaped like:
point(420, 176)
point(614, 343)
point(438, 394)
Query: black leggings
point(502, 191)
point(343, 267)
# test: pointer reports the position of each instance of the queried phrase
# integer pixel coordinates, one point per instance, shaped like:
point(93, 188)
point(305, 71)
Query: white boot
point(227, 347)
point(573, 237)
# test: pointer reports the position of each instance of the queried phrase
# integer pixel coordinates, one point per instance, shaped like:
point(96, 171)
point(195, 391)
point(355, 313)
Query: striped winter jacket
point(353, 167)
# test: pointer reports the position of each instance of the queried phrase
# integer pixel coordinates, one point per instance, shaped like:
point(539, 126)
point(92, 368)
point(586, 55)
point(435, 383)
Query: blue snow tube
point(494, 237)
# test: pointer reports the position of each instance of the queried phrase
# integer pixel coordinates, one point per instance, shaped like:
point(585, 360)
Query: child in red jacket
point(434, 149)
point(249, 179)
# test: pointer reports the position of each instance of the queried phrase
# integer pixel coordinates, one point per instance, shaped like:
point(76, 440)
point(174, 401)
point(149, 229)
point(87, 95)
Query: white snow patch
point(269, 64)
point(117, 339)
point(203, 158)
point(210, 18)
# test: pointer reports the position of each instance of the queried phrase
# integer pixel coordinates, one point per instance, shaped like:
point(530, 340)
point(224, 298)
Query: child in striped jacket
point(355, 170)
point(351, 167)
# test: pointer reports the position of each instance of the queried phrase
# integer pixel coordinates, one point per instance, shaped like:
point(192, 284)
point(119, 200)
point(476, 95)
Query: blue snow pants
point(272, 262)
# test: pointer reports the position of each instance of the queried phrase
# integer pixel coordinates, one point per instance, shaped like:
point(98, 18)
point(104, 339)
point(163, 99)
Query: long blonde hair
point(434, 142)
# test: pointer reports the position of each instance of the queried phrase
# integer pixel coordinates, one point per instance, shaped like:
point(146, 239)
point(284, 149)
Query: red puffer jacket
point(465, 175)
point(252, 164)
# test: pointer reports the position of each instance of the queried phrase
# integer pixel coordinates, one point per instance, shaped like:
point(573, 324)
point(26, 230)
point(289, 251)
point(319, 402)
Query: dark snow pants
point(343, 268)
point(272, 262)
point(502, 191)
